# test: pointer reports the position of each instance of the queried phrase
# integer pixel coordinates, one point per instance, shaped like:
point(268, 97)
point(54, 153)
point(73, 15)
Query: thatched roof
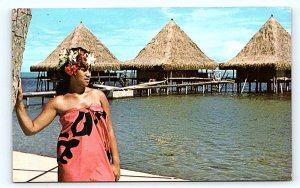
point(81, 37)
point(269, 47)
point(171, 49)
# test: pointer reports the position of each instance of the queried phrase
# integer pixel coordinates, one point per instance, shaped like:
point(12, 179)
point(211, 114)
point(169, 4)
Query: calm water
point(196, 137)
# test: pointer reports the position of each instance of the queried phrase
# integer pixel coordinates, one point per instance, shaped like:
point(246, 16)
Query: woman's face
point(83, 76)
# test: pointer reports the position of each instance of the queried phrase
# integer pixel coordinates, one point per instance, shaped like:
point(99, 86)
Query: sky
point(220, 32)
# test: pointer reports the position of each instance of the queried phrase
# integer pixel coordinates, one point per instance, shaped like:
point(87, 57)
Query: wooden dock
point(185, 88)
point(43, 94)
point(151, 88)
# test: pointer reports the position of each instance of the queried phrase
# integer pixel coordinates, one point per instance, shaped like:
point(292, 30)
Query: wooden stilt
point(27, 101)
point(256, 86)
point(244, 85)
point(249, 87)
point(260, 89)
point(274, 85)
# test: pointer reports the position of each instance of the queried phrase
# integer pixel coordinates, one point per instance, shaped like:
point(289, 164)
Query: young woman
point(87, 147)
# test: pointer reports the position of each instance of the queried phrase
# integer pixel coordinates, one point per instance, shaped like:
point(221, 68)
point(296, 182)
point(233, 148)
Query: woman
point(87, 147)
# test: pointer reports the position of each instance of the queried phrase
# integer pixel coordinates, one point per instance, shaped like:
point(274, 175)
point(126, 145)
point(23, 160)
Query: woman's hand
point(20, 94)
point(116, 171)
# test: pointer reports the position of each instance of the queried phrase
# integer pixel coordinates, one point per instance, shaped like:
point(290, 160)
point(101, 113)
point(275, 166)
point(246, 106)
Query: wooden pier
point(162, 88)
point(43, 94)
point(185, 88)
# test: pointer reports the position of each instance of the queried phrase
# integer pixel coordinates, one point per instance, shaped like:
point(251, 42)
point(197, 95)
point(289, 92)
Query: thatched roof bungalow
point(265, 56)
point(171, 50)
point(80, 37)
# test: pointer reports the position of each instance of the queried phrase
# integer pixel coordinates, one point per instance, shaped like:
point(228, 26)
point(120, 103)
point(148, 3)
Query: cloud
point(167, 12)
point(215, 41)
point(120, 40)
point(209, 13)
point(230, 49)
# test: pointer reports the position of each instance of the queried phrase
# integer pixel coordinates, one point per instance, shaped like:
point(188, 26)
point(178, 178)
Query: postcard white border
point(5, 77)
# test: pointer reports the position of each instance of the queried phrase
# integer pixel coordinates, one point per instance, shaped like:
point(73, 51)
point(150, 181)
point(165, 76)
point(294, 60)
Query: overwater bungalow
point(81, 36)
point(266, 59)
point(170, 55)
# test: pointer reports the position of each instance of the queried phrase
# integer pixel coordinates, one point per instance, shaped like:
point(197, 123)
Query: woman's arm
point(29, 126)
point(112, 137)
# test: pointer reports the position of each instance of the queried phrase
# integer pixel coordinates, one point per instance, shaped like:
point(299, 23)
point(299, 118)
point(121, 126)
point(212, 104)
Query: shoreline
point(29, 167)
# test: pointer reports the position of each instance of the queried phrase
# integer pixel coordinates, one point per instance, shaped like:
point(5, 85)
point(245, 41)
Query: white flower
point(72, 56)
point(63, 56)
point(90, 59)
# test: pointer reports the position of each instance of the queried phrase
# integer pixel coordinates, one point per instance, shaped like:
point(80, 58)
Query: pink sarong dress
point(83, 150)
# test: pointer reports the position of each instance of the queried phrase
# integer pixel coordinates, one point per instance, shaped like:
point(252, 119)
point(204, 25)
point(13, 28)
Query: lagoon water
point(210, 137)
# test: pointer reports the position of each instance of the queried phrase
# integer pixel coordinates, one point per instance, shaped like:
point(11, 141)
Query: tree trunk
point(20, 23)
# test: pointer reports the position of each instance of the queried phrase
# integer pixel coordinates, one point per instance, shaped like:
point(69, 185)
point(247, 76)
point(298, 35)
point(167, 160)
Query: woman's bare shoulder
point(101, 94)
point(62, 103)
point(56, 101)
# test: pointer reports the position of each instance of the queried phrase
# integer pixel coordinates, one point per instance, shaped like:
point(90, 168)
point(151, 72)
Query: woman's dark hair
point(63, 85)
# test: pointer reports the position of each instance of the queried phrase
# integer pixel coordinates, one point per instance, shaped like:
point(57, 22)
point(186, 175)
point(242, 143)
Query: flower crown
point(76, 58)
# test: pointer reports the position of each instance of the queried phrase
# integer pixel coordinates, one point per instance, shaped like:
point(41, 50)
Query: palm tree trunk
point(20, 22)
